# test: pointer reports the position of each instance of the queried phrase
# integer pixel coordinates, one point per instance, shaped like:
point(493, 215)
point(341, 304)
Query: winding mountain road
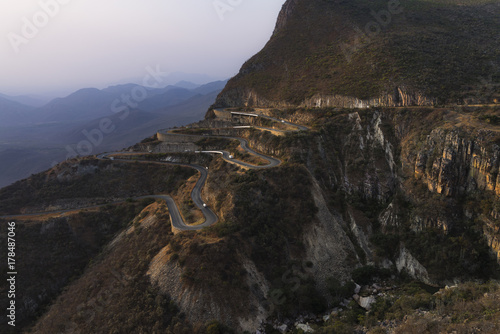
point(175, 216)
point(272, 162)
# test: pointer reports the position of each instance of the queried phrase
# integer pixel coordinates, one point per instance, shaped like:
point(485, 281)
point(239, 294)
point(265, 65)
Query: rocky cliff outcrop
point(247, 97)
point(456, 161)
point(406, 262)
point(401, 97)
point(328, 246)
point(411, 173)
point(366, 145)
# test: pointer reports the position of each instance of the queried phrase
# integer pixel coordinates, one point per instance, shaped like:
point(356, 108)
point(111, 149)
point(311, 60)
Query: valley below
point(56, 132)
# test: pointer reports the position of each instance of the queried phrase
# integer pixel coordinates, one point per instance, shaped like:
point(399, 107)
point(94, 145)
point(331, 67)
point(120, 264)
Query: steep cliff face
point(248, 97)
point(377, 53)
point(413, 189)
point(401, 97)
point(457, 158)
point(455, 161)
point(452, 154)
point(327, 245)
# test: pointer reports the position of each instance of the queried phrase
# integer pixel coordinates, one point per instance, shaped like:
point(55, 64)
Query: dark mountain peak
point(120, 88)
point(86, 92)
point(361, 53)
point(285, 13)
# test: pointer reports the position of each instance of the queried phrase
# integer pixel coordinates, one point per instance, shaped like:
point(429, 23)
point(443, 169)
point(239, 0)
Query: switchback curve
point(210, 217)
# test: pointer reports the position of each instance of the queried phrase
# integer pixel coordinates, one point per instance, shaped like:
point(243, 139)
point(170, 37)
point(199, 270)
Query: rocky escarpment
point(401, 97)
point(397, 179)
point(367, 150)
point(247, 97)
point(456, 156)
point(455, 162)
point(460, 162)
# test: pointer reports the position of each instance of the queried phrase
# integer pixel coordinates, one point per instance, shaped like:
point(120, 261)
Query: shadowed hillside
point(359, 53)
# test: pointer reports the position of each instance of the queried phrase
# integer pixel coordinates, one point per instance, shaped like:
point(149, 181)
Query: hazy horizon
point(169, 79)
point(54, 47)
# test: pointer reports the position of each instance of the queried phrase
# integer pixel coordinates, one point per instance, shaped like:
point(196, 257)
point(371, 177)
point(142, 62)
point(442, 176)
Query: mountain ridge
point(29, 100)
point(13, 113)
point(43, 143)
point(378, 53)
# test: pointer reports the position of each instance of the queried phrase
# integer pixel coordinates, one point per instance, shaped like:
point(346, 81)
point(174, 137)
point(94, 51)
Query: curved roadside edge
point(253, 114)
point(175, 216)
point(272, 162)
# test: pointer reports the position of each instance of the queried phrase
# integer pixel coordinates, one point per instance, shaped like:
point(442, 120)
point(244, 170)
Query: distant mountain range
point(13, 113)
point(32, 138)
point(90, 103)
point(29, 100)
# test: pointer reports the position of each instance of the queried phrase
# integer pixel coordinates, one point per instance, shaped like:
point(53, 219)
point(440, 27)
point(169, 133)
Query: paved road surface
point(298, 126)
point(175, 216)
point(272, 162)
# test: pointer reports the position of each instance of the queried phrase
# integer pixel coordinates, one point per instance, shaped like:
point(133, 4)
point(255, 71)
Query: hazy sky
point(62, 45)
